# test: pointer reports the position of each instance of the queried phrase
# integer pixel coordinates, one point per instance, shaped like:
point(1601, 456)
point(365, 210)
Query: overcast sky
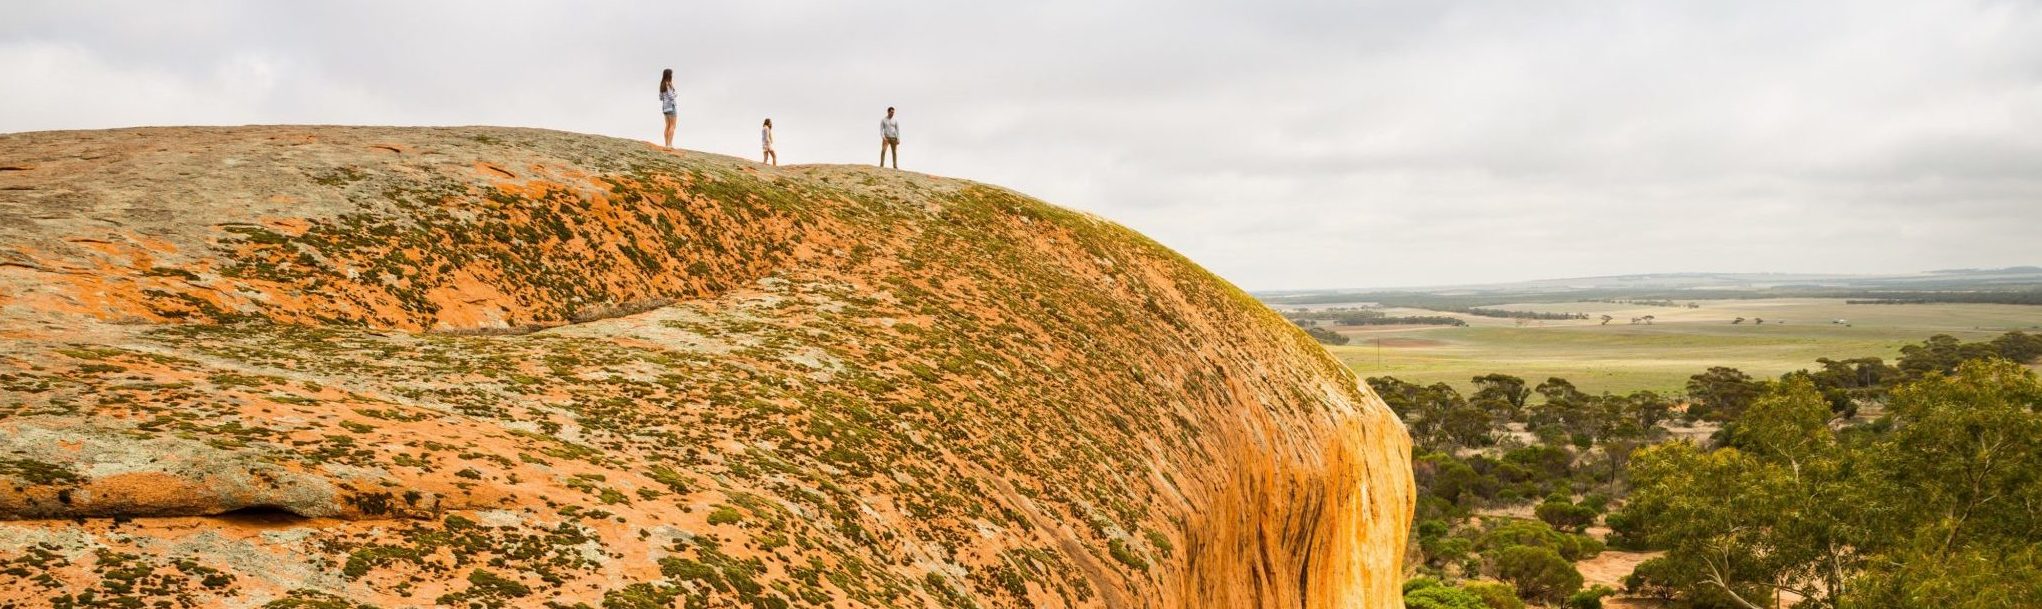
point(1281, 143)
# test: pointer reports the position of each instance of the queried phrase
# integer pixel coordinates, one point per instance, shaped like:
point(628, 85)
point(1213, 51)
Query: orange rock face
point(480, 367)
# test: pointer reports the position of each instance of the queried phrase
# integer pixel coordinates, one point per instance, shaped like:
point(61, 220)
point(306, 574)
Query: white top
point(766, 137)
point(889, 129)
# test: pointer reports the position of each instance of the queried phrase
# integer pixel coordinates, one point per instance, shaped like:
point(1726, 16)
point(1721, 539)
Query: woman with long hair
point(766, 140)
point(666, 104)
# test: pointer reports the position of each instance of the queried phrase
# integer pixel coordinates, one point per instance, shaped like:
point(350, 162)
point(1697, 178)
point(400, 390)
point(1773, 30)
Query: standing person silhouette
point(666, 104)
point(766, 141)
point(889, 138)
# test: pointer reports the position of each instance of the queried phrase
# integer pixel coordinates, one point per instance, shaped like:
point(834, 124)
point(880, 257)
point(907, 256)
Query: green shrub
point(1588, 599)
point(1421, 582)
point(1596, 501)
point(1540, 574)
point(1519, 532)
point(1438, 596)
point(486, 582)
point(1565, 515)
point(682, 569)
point(725, 515)
point(1453, 481)
point(1438, 544)
point(1497, 595)
point(1546, 462)
point(1450, 550)
point(1126, 555)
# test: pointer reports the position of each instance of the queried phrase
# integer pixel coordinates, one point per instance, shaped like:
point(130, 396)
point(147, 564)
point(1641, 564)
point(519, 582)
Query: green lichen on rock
point(31, 471)
point(498, 367)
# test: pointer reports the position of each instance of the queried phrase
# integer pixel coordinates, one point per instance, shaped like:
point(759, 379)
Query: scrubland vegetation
point(1849, 483)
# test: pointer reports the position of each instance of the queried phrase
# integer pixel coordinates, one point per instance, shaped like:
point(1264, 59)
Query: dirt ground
point(1611, 566)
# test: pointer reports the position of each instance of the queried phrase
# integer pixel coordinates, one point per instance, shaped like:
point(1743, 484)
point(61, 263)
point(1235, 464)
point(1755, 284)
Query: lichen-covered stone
point(483, 367)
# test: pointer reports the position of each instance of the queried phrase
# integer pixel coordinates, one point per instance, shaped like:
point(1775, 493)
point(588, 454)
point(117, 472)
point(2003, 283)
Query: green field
point(1622, 357)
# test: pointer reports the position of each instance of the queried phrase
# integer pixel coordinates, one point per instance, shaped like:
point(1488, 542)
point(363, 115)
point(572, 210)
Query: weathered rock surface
point(324, 366)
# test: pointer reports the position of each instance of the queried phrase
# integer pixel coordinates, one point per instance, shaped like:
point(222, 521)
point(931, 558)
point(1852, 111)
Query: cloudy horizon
point(1284, 144)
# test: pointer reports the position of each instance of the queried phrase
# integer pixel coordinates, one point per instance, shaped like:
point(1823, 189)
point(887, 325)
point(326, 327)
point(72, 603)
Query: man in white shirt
point(889, 138)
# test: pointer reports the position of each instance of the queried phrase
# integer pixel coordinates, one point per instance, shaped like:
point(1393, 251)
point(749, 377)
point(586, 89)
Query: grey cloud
point(1285, 143)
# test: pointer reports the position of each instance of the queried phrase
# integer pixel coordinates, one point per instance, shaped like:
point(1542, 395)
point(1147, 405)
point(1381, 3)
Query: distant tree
point(1646, 410)
point(1565, 515)
point(1737, 321)
point(1602, 417)
point(1582, 419)
point(1325, 336)
point(1499, 410)
point(1856, 373)
point(1627, 423)
point(1846, 383)
point(1487, 312)
point(1466, 426)
point(1758, 321)
point(1648, 319)
point(1609, 462)
point(2018, 346)
point(1944, 353)
point(1558, 389)
point(1452, 479)
point(1660, 579)
point(1606, 319)
point(1553, 415)
point(1721, 394)
point(1940, 354)
point(1509, 390)
point(1436, 416)
point(1402, 397)
point(1539, 573)
point(1542, 462)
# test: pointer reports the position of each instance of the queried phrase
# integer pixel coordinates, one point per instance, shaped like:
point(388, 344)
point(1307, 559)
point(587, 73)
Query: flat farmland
point(1622, 356)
